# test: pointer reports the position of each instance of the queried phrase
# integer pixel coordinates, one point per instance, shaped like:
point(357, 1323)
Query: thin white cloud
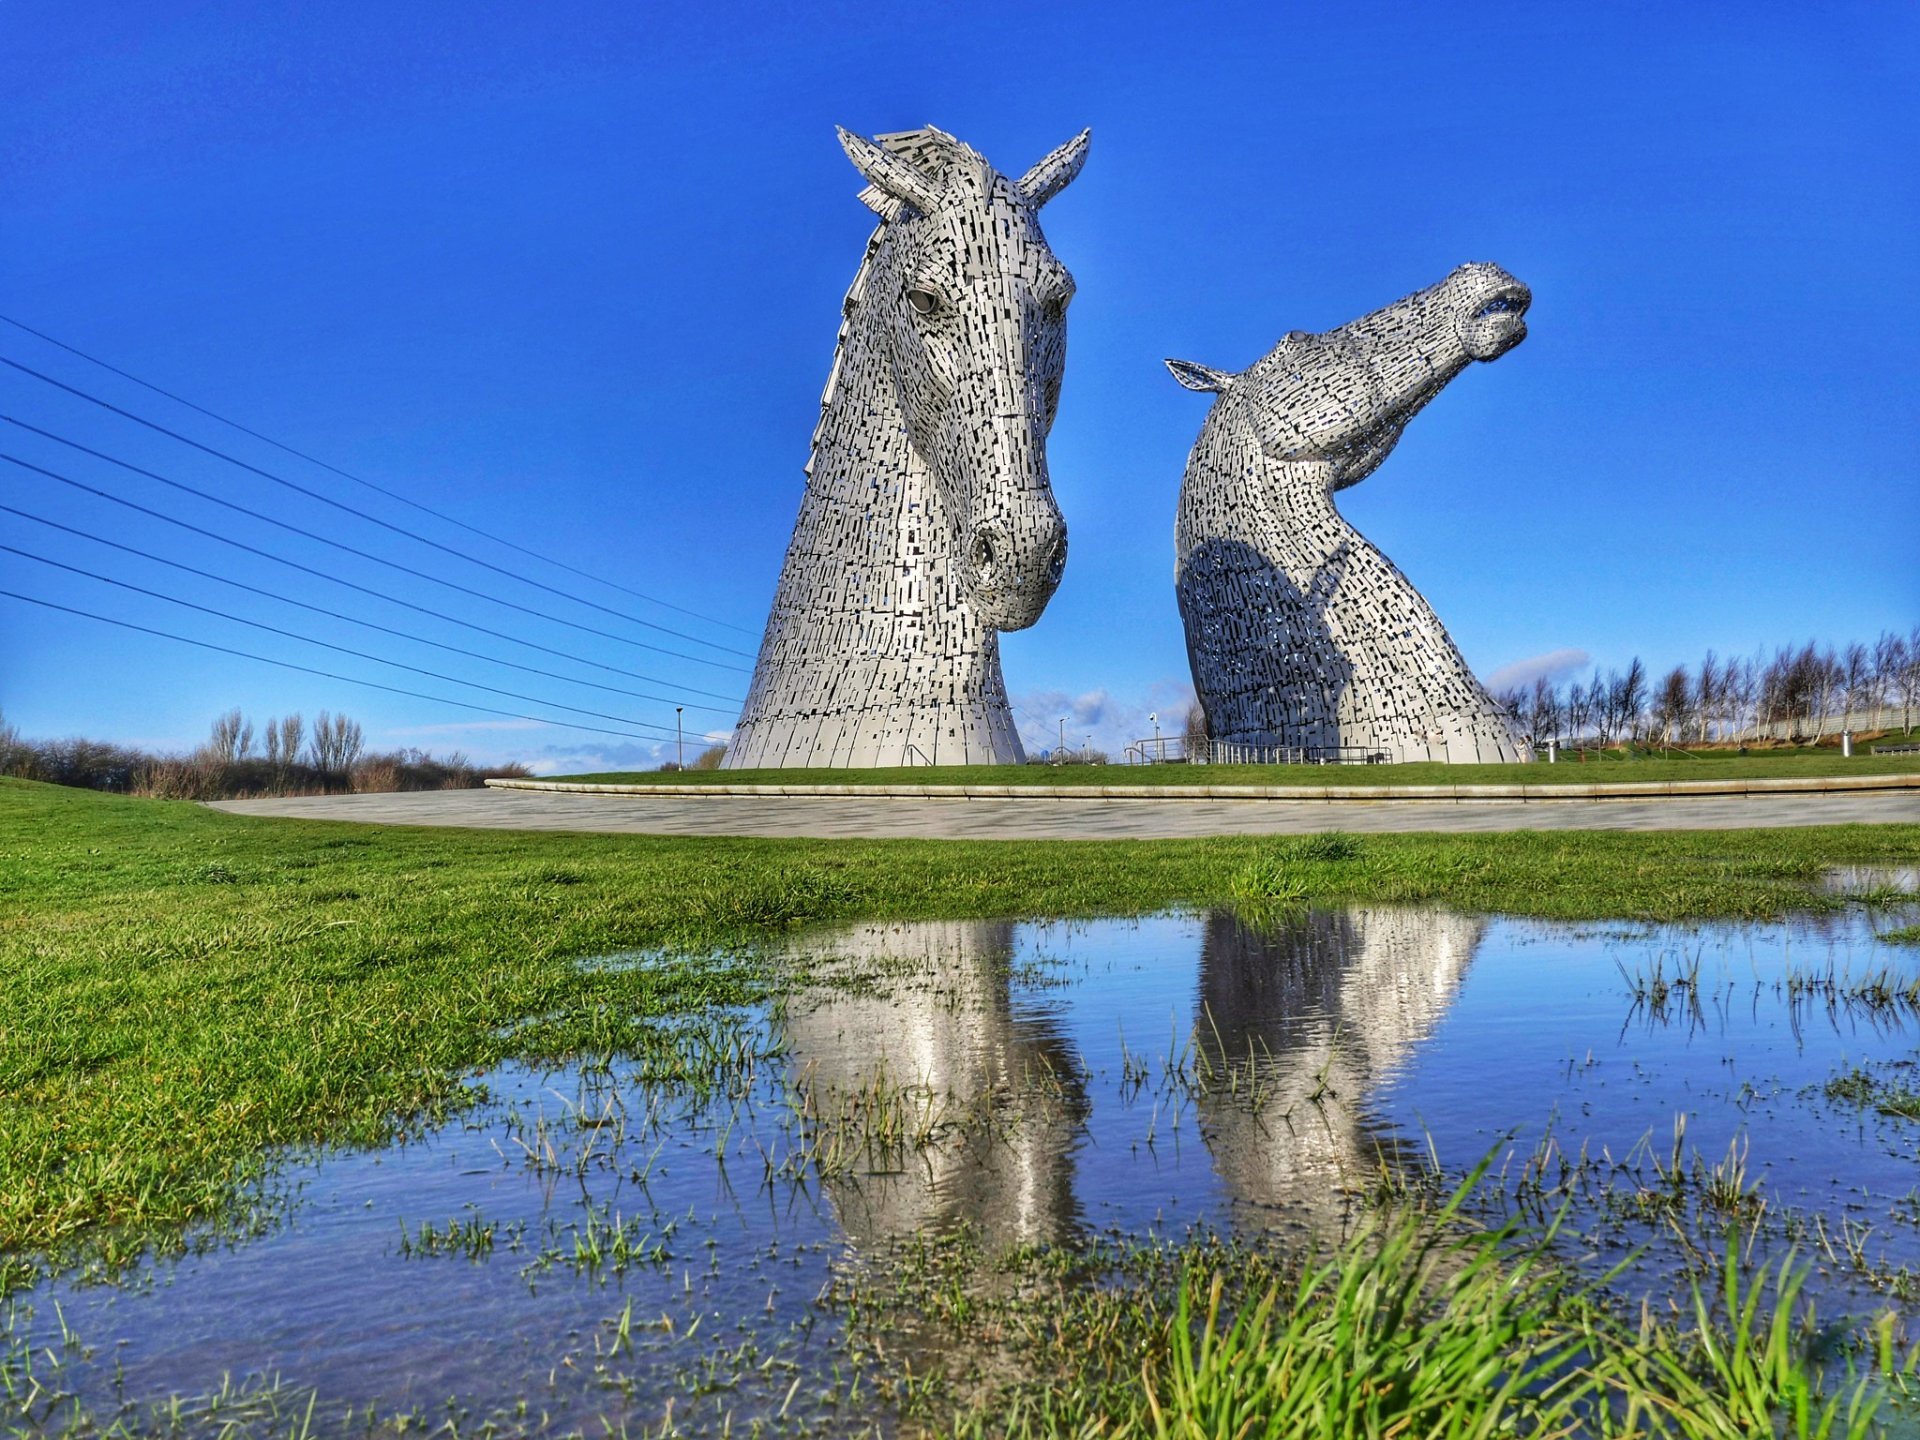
point(1110, 722)
point(467, 727)
point(1554, 665)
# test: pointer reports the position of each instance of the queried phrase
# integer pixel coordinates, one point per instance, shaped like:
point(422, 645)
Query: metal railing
point(1176, 750)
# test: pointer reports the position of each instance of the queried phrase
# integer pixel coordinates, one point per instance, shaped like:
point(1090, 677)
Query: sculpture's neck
point(1233, 490)
point(874, 539)
point(872, 623)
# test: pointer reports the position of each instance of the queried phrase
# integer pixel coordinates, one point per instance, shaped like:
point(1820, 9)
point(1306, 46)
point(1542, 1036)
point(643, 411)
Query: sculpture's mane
point(934, 153)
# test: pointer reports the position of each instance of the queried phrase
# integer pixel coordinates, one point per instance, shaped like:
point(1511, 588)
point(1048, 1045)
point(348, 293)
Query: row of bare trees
point(1803, 693)
point(285, 756)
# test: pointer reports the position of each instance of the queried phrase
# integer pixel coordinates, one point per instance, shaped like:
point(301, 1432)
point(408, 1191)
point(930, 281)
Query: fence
point(1866, 717)
point(1175, 750)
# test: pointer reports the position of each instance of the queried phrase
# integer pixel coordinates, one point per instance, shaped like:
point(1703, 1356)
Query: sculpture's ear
point(1054, 173)
point(1199, 377)
point(890, 174)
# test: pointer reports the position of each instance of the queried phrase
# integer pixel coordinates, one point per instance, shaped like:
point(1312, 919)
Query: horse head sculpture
point(1343, 399)
point(1300, 632)
point(929, 523)
point(978, 334)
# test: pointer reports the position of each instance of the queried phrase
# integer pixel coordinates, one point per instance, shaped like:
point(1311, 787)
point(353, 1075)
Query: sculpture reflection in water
point(990, 1101)
point(1318, 1011)
point(1294, 1027)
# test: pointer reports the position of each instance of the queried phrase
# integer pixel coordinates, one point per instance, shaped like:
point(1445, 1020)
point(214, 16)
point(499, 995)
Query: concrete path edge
point(1625, 790)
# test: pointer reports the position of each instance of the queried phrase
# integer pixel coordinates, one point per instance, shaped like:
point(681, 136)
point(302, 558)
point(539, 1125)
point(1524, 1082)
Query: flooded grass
point(1179, 1175)
point(160, 1033)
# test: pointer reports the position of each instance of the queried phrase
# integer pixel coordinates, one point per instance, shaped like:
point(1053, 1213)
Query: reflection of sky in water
point(1084, 1078)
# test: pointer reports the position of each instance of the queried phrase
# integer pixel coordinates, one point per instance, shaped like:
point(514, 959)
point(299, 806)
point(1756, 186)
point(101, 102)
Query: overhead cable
point(352, 550)
point(341, 505)
point(368, 624)
point(175, 520)
point(323, 644)
point(358, 480)
point(328, 674)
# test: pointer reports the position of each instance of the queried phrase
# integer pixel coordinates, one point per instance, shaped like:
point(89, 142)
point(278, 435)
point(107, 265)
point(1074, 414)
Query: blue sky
point(570, 273)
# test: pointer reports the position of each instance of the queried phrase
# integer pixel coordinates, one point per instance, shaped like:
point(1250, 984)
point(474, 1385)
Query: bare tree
point(1707, 687)
point(283, 739)
point(1672, 704)
point(1543, 710)
point(16, 755)
point(1580, 710)
point(1621, 699)
point(335, 746)
point(1194, 732)
point(1910, 679)
point(1856, 679)
point(1889, 654)
point(231, 738)
point(1740, 683)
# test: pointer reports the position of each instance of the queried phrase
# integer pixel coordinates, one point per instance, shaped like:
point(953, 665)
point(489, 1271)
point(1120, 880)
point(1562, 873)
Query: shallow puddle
point(679, 1235)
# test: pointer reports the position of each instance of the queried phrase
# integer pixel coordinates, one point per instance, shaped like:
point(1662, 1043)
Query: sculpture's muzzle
point(1493, 318)
point(1013, 565)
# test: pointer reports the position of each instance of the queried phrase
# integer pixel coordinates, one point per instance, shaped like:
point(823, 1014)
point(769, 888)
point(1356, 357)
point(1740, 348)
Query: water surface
point(616, 1241)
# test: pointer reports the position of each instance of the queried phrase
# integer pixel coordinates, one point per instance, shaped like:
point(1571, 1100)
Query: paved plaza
point(885, 817)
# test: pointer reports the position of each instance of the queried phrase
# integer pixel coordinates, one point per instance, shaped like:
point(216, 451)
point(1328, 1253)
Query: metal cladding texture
point(928, 523)
point(1300, 632)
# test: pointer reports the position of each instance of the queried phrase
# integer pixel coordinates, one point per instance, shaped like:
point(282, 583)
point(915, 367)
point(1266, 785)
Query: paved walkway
point(1009, 819)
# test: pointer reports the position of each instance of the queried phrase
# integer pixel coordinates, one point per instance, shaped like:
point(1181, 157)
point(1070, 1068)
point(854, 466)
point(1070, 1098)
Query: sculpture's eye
point(924, 302)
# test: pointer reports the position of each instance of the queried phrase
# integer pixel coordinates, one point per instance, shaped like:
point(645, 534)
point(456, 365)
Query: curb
point(1626, 790)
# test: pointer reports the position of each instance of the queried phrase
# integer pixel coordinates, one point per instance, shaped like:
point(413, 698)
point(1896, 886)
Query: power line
point(323, 674)
point(355, 620)
point(323, 644)
point(341, 505)
point(176, 521)
point(351, 550)
point(377, 489)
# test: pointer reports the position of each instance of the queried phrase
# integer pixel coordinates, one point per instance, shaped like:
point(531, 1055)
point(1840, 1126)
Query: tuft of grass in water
point(1905, 935)
point(1418, 1325)
point(164, 1032)
point(1875, 1092)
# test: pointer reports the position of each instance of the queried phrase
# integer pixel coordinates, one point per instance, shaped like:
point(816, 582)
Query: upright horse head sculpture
point(1300, 632)
point(928, 524)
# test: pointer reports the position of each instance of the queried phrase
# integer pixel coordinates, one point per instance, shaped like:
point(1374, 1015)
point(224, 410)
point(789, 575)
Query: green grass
point(1879, 1093)
point(182, 989)
point(1611, 767)
point(1417, 1324)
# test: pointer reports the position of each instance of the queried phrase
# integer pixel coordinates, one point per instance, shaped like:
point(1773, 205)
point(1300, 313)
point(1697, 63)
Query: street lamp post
point(679, 738)
point(1063, 736)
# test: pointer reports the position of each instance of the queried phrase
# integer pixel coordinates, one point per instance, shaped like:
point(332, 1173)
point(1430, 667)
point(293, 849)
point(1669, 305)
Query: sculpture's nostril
point(1057, 559)
point(981, 553)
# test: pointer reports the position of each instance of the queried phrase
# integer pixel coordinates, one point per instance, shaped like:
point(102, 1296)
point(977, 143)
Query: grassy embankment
point(181, 989)
point(1610, 767)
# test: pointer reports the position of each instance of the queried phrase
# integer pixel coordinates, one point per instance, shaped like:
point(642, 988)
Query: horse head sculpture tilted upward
point(1299, 631)
point(929, 523)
